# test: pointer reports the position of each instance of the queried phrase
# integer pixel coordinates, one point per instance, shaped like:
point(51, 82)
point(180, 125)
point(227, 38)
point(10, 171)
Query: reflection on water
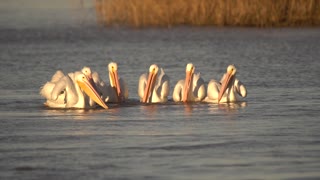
point(188, 108)
point(70, 114)
point(232, 107)
point(227, 107)
point(150, 111)
point(146, 111)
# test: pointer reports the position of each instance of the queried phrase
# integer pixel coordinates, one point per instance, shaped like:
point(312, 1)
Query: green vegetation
point(167, 13)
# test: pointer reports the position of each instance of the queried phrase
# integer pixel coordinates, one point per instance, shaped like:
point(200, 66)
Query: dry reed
point(166, 13)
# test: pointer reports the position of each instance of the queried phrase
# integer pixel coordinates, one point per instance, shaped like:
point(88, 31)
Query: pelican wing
point(47, 88)
point(65, 84)
point(177, 91)
point(101, 86)
point(165, 88)
point(213, 89)
point(240, 88)
point(160, 78)
point(95, 77)
point(124, 88)
point(199, 88)
point(202, 93)
point(97, 80)
point(163, 84)
point(57, 76)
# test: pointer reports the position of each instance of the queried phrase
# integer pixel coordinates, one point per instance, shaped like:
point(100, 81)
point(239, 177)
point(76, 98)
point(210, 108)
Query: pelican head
point(190, 68)
point(114, 79)
point(87, 72)
point(87, 87)
point(189, 76)
point(153, 71)
point(231, 69)
point(231, 72)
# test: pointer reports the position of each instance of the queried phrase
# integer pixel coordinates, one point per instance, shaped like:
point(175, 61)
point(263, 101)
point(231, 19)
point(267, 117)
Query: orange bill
point(187, 85)
point(225, 85)
point(149, 86)
point(115, 83)
point(87, 87)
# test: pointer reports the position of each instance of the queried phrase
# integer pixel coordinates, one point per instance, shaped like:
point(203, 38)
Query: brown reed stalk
point(167, 13)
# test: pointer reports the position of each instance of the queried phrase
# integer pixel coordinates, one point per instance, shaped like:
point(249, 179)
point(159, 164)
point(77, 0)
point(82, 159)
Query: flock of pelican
point(85, 89)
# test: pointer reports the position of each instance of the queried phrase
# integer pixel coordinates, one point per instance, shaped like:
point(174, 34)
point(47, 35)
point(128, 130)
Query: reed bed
point(167, 13)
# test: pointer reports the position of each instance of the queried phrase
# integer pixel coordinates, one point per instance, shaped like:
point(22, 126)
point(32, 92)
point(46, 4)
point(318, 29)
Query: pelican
point(96, 82)
point(88, 73)
point(154, 87)
point(70, 91)
point(190, 89)
point(114, 92)
point(117, 91)
point(228, 90)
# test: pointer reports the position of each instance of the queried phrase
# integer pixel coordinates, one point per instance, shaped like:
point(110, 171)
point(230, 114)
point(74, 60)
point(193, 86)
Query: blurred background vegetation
point(167, 13)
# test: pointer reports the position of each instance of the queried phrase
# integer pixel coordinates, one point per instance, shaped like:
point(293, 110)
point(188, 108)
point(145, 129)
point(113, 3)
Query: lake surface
point(274, 134)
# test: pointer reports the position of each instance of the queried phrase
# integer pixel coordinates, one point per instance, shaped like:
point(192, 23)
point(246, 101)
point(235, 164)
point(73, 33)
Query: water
point(273, 135)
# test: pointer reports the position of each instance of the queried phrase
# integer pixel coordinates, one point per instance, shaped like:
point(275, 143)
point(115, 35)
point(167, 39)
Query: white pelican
point(228, 90)
point(70, 92)
point(117, 90)
point(96, 82)
point(190, 89)
point(154, 87)
point(88, 73)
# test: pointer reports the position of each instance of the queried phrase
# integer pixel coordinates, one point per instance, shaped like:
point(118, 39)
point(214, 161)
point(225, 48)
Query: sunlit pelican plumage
point(154, 87)
point(190, 89)
point(229, 90)
point(46, 89)
point(75, 87)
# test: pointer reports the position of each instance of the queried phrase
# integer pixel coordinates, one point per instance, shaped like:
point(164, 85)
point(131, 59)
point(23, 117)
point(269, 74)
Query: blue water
point(273, 135)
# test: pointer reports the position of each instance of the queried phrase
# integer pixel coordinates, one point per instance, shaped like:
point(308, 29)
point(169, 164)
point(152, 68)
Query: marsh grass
point(166, 13)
